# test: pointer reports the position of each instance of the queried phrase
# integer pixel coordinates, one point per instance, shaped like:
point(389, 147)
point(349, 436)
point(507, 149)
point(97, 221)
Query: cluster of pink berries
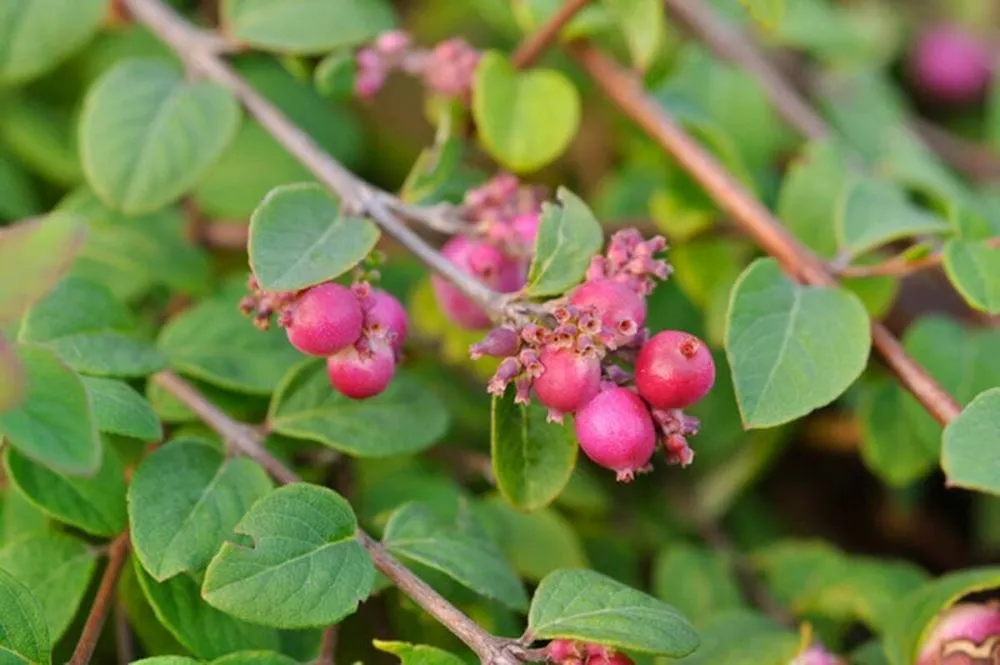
point(448, 68)
point(964, 634)
point(569, 652)
point(359, 330)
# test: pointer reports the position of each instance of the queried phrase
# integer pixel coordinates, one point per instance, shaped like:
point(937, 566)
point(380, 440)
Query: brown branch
point(103, 602)
point(532, 48)
point(246, 440)
point(200, 52)
point(900, 266)
point(124, 644)
point(751, 215)
point(328, 650)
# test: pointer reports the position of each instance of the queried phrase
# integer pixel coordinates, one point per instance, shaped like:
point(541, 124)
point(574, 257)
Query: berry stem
point(245, 440)
point(103, 602)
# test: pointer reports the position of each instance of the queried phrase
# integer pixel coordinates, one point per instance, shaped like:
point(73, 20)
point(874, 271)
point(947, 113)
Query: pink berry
point(674, 370)
point(362, 373)
point(559, 651)
point(610, 658)
point(479, 259)
point(950, 66)
point(817, 655)
point(621, 309)
point(616, 431)
point(963, 629)
point(569, 381)
point(526, 228)
point(388, 314)
point(324, 319)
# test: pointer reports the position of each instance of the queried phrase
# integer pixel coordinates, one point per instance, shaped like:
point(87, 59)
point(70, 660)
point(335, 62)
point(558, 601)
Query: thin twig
point(125, 646)
point(103, 602)
point(246, 441)
point(199, 50)
point(532, 48)
point(900, 266)
point(328, 650)
point(751, 215)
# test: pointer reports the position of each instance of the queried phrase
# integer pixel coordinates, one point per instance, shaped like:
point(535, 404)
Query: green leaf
point(766, 12)
point(75, 305)
point(335, 74)
point(915, 612)
point(697, 581)
point(19, 196)
point(741, 637)
point(55, 568)
point(214, 342)
point(418, 654)
point(14, 386)
point(305, 407)
point(643, 23)
point(974, 270)
point(167, 660)
point(968, 454)
point(532, 459)
point(416, 533)
point(33, 255)
point(585, 605)
point(519, 533)
point(38, 34)
point(874, 213)
point(306, 26)
point(40, 134)
point(889, 447)
point(792, 348)
point(184, 501)
point(24, 637)
point(306, 567)
point(568, 237)
point(118, 408)
point(255, 658)
point(53, 423)
point(810, 196)
point(147, 135)
point(108, 353)
point(299, 238)
point(19, 516)
point(525, 120)
point(96, 505)
point(200, 628)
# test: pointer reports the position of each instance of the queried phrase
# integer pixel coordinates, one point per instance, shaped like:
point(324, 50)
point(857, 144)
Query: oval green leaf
point(744, 637)
point(525, 120)
point(119, 409)
point(974, 270)
point(418, 654)
point(568, 237)
point(23, 634)
point(889, 447)
point(586, 605)
point(532, 459)
point(95, 505)
point(306, 26)
point(298, 238)
point(305, 567)
point(14, 384)
point(305, 407)
point(55, 568)
point(698, 581)
point(643, 25)
point(791, 348)
point(147, 135)
point(417, 533)
point(184, 501)
point(53, 422)
point(968, 453)
point(39, 34)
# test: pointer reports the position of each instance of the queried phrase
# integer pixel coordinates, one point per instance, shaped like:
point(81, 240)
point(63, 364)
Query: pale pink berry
point(966, 629)
point(621, 309)
point(324, 319)
point(388, 314)
point(363, 372)
point(484, 261)
point(673, 370)
point(558, 651)
point(569, 380)
point(616, 431)
point(951, 66)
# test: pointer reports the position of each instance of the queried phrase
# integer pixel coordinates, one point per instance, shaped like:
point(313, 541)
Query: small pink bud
point(360, 374)
point(613, 658)
point(324, 319)
point(568, 380)
point(393, 42)
point(526, 228)
point(621, 310)
point(951, 66)
point(498, 343)
point(386, 314)
point(508, 369)
point(559, 651)
point(963, 633)
point(616, 431)
point(674, 370)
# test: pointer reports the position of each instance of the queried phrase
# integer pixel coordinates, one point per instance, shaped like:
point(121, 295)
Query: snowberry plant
point(560, 332)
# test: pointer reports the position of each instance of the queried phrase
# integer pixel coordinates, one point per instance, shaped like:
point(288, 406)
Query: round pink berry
point(674, 370)
point(324, 319)
point(569, 381)
point(362, 373)
point(388, 314)
point(526, 228)
point(960, 628)
point(951, 66)
point(559, 651)
point(616, 431)
point(480, 259)
point(622, 310)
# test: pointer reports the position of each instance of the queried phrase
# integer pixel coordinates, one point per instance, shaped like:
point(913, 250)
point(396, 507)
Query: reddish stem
point(103, 602)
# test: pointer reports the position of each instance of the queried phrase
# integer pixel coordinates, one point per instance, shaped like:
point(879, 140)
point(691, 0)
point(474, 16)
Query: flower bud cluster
point(569, 652)
point(447, 69)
